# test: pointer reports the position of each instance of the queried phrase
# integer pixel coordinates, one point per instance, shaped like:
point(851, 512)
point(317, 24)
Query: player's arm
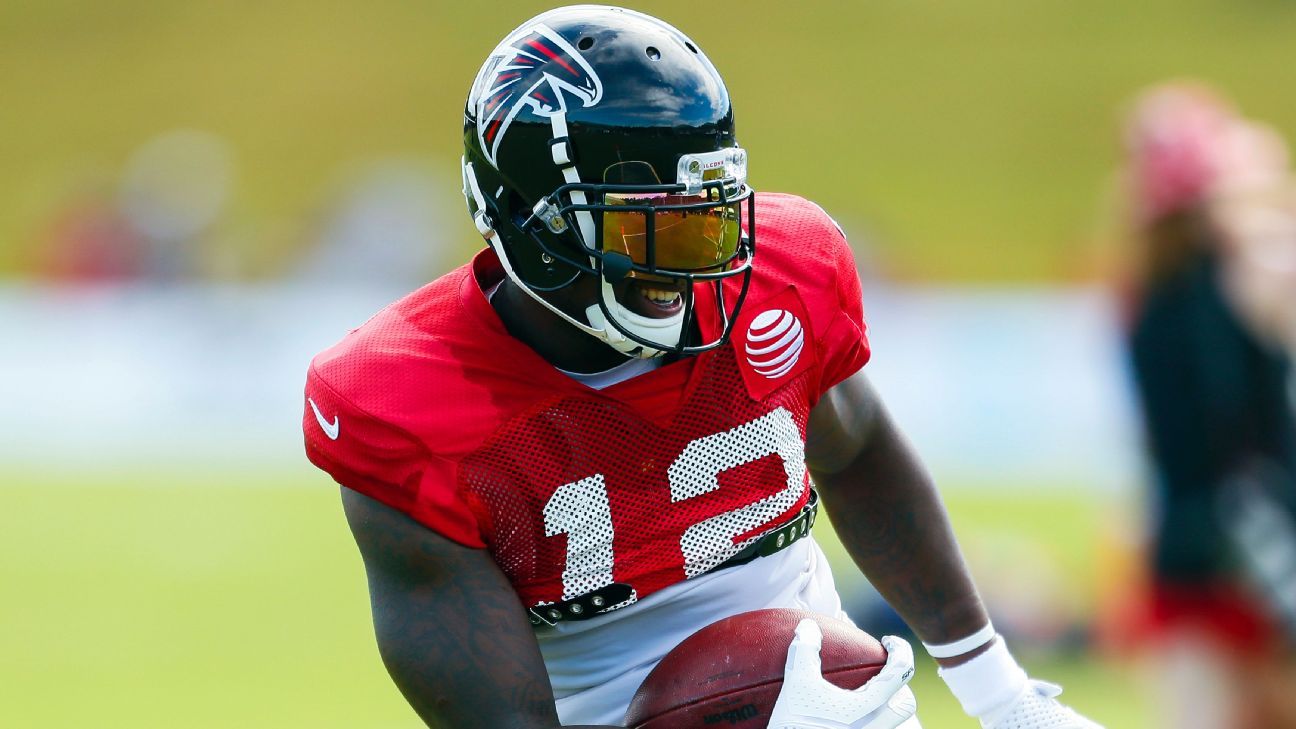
point(449, 626)
point(886, 509)
point(890, 517)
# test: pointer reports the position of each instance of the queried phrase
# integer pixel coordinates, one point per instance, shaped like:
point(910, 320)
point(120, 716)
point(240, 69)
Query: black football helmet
point(599, 141)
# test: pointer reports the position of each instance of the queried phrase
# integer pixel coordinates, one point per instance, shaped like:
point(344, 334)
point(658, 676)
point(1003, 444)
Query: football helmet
point(599, 142)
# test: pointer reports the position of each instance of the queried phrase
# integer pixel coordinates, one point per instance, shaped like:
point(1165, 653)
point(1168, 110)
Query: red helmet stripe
point(552, 56)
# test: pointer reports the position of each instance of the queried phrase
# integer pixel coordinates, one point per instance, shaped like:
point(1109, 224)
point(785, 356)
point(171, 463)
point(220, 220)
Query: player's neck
point(558, 342)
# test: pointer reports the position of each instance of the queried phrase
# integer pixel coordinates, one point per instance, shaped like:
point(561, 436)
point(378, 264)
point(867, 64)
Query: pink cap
point(1185, 142)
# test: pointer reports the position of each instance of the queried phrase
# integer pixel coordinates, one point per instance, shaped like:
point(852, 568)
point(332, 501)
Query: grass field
point(156, 600)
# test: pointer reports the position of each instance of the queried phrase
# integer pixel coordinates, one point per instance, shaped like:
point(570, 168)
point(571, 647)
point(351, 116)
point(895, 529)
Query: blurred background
point(196, 197)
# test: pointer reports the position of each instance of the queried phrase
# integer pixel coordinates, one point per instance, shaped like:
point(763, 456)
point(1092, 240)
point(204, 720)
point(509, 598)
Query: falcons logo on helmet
point(534, 68)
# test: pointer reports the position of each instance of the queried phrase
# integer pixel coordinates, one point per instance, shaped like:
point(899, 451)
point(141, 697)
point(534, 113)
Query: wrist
point(964, 646)
point(986, 682)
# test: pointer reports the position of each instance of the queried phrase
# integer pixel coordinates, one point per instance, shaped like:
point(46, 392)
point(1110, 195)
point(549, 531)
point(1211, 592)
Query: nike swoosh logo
point(330, 429)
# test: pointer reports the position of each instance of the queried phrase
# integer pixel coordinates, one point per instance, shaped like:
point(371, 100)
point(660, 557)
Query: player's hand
point(808, 701)
point(1036, 706)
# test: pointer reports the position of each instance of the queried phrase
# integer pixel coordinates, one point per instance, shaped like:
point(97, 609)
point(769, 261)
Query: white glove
point(809, 701)
point(1036, 707)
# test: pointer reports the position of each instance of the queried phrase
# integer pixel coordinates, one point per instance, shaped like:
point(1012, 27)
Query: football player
point(614, 426)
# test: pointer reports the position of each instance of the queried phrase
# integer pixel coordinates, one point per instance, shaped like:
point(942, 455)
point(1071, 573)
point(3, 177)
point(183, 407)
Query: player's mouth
point(653, 299)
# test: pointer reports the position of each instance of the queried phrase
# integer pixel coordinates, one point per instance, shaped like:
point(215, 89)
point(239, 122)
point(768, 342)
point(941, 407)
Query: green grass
point(155, 600)
point(973, 138)
point(143, 602)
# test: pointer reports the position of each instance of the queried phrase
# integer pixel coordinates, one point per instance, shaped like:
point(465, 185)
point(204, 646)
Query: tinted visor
point(669, 231)
point(686, 235)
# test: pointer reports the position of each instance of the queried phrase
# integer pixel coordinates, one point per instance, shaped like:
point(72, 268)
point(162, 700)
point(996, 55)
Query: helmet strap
point(663, 331)
point(565, 162)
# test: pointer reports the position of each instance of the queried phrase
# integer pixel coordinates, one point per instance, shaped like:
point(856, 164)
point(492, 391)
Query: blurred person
point(1213, 378)
point(596, 438)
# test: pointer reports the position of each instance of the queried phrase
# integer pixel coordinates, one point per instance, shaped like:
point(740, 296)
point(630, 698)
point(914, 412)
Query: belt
point(594, 602)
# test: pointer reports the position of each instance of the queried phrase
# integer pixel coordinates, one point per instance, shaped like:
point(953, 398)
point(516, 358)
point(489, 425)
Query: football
point(730, 672)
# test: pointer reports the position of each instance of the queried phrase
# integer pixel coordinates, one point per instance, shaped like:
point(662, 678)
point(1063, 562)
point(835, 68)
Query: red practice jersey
point(432, 408)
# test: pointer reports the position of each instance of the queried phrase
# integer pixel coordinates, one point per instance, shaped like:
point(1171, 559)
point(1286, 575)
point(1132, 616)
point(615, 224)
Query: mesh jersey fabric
point(435, 410)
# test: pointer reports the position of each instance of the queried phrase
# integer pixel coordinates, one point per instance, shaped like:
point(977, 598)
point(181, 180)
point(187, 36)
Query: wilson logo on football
point(774, 342)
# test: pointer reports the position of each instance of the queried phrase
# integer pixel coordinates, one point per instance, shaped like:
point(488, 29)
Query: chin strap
point(666, 329)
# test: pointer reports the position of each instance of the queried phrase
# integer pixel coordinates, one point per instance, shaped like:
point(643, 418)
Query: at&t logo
point(774, 342)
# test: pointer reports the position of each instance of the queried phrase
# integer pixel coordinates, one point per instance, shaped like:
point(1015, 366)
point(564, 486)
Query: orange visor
point(698, 240)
